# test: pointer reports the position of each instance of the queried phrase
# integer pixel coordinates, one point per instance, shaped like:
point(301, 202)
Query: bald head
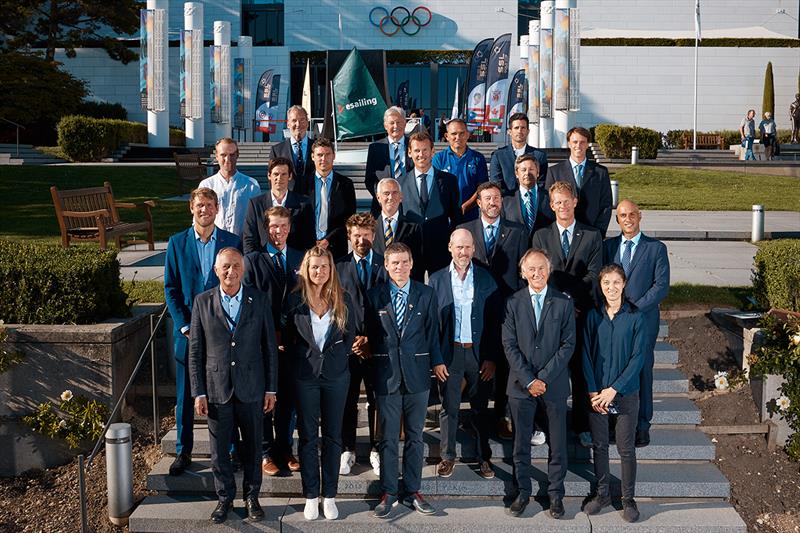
point(462, 248)
point(629, 218)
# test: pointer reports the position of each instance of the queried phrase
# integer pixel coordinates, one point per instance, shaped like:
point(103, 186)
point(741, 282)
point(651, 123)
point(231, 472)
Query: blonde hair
point(332, 293)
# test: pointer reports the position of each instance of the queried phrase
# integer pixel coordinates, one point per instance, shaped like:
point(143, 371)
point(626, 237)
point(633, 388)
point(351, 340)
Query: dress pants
point(359, 370)
point(283, 417)
point(223, 418)
point(500, 382)
point(320, 401)
point(523, 411)
point(465, 366)
point(625, 429)
point(184, 403)
point(646, 385)
point(579, 389)
point(411, 408)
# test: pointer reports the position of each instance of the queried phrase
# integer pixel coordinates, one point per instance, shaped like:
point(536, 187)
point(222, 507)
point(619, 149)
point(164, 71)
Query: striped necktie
point(398, 162)
point(490, 240)
point(565, 243)
point(388, 234)
point(626, 257)
point(301, 162)
point(529, 217)
point(400, 308)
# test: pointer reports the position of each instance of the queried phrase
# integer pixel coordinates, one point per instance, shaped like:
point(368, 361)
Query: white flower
point(62, 424)
point(721, 374)
point(783, 403)
point(796, 339)
point(721, 382)
point(66, 395)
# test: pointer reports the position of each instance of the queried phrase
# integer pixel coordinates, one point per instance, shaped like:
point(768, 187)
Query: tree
point(768, 100)
point(51, 24)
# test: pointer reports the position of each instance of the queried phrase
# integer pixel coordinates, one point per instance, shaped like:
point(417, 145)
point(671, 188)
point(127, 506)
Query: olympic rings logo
point(400, 18)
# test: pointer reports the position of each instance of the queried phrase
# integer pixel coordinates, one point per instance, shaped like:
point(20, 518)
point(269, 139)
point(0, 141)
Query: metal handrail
point(84, 466)
point(18, 127)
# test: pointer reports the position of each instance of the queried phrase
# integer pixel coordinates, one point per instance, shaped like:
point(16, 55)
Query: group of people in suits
point(277, 327)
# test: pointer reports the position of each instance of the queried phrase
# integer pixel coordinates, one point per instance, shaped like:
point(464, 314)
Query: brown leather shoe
point(291, 463)
point(504, 430)
point(269, 467)
point(485, 470)
point(445, 468)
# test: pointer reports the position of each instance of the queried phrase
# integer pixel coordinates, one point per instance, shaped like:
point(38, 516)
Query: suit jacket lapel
point(411, 303)
point(411, 181)
point(576, 241)
point(530, 313)
point(219, 312)
point(245, 308)
point(480, 241)
point(504, 231)
point(387, 306)
point(641, 249)
point(545, 308)
point(191, 251)
point(304, 329)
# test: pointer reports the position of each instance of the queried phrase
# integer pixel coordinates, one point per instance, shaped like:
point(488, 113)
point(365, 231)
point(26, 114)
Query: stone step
point(665, 354)
point(665, 444)
point(179, 514)
point(674, 410)
point(669, 380)
point(653, 479)
point(663, 329)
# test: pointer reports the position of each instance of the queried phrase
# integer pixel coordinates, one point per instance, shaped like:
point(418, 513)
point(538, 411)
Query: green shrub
point(91, 139)
point(776, 279)
point(102, 110)
point(47, 284)
point(730, 137)
point(617, 141)
point(768, 99)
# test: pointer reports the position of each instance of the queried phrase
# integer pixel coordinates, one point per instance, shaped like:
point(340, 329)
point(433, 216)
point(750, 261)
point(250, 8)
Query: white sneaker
point(311, 512)
point(346, 463)
point(538, 438)
point(586, 439)
point(329, 508)
point(375, 461)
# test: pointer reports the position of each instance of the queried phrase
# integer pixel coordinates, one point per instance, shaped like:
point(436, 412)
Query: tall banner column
point(193, 84)
point(243, 87)
point(561, 73)
point(221, 80)
point(158, 112)
point(546, 74)
point(533, 83)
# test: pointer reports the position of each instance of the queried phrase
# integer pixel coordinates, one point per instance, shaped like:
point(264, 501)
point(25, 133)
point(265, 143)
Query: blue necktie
point(400, 308)
point(490, 240)
point(362, 272)
point(626, 257)
point(537, 308)
point(579, 175)
point(423, 191)
point(398, 162)
point(529, 218)
point(565, 243)
point(280, 266)
point(300, 166)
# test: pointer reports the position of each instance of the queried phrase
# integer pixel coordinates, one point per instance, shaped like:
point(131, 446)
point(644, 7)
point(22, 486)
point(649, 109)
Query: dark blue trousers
point(184, 403)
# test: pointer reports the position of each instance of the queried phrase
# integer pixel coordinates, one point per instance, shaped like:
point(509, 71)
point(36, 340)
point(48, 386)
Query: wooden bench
point(704, 140)
point(190, 169)
point(90, 214)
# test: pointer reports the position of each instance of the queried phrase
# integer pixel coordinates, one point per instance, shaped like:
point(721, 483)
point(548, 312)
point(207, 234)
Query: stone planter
point(93, 360)
point(765, 392)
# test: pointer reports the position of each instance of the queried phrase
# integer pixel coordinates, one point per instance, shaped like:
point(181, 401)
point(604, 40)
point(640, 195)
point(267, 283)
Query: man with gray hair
point(297, 148)
point(393, 225)
point(388, 158)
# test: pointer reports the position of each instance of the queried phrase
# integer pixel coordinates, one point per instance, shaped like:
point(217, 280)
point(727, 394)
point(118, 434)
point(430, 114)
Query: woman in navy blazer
point(613, 354)
point(319, 331)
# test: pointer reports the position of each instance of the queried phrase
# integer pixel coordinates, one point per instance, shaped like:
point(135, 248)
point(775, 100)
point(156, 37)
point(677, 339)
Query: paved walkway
point(707, 262)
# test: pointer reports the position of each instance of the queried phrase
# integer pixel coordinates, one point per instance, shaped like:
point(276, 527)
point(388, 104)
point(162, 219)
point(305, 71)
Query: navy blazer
point(301, 182)
point(378, 162)
point(409, 232)
point(613, 350)
point(501, 167)
point(408, 354)
point(260, 272)
point(594, 198)
point(484, 319)
point(648, 276)
point(577, 274)
point(511, 244)
point(342, 204)
point(183, 278)
point(351, 284)
point(301, 234)
point(544, 216)
point(541, 353)
point(242, 362)
point(307, 360)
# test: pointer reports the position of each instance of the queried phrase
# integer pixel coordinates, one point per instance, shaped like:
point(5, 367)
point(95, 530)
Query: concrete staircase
point(28, 155)
point(678, 488)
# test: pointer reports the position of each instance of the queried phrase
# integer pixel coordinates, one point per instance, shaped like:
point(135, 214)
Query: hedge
point(723, 42)
point(91, 139)
point(776, 278)
point(47, 284)
point(731, 137)
point(102, 110)
point(617, 141)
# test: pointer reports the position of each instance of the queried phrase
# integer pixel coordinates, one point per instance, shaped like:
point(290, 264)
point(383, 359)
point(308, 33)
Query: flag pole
point(696, 49)
point(333, 114)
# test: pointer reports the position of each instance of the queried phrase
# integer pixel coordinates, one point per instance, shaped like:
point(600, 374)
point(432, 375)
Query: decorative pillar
point(222, 37)
point(533, 83)
point(158, 117)
point(194, 122)
point(546, 70)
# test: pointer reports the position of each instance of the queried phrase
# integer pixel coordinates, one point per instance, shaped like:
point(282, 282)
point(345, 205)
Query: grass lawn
point(672, 188)
point(683, 294)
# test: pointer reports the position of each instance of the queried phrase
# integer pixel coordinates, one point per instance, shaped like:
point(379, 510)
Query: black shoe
point(518, 505)
point(180, 464)
point(642, 438)
point(384, 508)
point(596, 504)
point(418, 503)
point(254, 510)
point(220, 513)
point(630, 513)
point(556, 508)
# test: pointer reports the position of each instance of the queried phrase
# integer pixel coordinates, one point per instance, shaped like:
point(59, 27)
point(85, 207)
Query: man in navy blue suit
point(401, 322)
point(188, 271)
point(274, 271)
point(538, 339)
point(388, 157)
point(469, 325)
point(502, 164)
point(529, 205)
point(297, 149)
point(646, 266)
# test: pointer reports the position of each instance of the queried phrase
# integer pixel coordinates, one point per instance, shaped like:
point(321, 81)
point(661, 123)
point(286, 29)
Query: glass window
point(527, 10)
point(263, 21)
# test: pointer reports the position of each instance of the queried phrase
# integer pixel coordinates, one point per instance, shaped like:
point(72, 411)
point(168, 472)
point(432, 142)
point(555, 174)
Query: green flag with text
point(358, 105)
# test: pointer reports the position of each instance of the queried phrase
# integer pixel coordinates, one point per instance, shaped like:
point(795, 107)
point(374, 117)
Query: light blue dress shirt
point(205, 252)
point(232, 304)
point(463, 294)
point(317, 189)
point(634, 240)
point(428, 179)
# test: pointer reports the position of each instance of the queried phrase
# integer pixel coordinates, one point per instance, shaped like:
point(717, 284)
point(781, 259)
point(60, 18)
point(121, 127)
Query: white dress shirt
point(570, 228)
point(320, 326)
point(233, 196)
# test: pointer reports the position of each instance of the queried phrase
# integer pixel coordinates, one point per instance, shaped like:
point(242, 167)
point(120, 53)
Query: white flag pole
point(697, 38)
point(306, 102)
point(454, 112)
point(333, 114)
